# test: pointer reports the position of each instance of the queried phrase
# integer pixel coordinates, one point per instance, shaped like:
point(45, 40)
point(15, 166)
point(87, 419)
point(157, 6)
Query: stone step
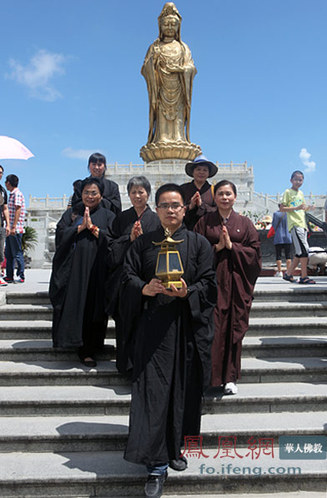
point(42, 350)
point(278, 309)
point(276, 494)
point(35, 329)
point(268, 347)
point(265, 290)
point(63, 400)
point(109, 433)
point(26, 312)
point(80, 474)
point(21, 297)
point(294, 326)
point(280, 346)
point(267, 327)
point(66, 372)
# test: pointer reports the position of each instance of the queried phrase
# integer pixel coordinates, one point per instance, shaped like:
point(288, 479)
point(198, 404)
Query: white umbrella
point(10, 148)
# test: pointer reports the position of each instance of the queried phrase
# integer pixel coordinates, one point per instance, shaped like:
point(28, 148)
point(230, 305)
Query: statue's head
point(170, 22)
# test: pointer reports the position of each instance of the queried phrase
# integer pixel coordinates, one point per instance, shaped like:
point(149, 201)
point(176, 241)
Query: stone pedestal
point(162, 151)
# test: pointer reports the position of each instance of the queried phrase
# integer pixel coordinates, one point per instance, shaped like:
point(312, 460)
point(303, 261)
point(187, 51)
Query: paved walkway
point(37, 280)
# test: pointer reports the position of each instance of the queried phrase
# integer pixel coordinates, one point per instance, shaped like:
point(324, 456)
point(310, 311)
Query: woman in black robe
point(97, 165)
point(238, 263)
point(77, 285)
point(126, 228)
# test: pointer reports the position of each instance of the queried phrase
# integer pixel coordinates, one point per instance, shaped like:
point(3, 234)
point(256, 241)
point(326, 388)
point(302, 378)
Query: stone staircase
point(63, 427)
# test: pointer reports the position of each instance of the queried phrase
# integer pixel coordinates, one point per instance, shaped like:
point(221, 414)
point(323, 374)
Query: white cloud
point(37, 75)
point(305, 158)
point(77, 153)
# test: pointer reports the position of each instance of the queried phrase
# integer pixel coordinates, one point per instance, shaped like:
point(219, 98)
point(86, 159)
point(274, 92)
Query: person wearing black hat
point(199, 196)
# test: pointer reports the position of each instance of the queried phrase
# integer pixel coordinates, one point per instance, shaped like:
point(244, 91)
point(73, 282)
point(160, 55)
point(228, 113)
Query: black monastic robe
point(121, 231)
point(77, 285)
point(237, 271)
point(171, 347)
point(208, 205)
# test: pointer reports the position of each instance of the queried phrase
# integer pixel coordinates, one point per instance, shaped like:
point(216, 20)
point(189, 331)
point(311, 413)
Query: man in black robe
point(172, 334)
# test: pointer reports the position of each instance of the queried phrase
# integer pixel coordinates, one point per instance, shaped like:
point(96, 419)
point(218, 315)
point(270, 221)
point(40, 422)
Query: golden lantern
point(169, 268)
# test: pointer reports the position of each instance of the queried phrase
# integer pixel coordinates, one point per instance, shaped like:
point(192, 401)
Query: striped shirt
point(16, 198)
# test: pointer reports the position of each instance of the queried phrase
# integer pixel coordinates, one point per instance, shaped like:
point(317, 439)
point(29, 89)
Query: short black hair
point(3, 169)
point(13, 180)
point(169, 187)
point(92, 181)
point(296, 172)
point(139, 181)
point(97, 158)
point(222, 183)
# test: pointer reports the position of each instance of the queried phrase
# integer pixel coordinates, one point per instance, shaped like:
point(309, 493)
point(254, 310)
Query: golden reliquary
point(169, 268)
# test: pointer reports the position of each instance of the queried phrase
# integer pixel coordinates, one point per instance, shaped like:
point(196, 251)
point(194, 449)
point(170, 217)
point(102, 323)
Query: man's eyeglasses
point(88, 193)
point(174, 206)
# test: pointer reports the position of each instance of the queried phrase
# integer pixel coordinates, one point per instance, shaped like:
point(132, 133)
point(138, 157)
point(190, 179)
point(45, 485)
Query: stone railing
point(48, 203)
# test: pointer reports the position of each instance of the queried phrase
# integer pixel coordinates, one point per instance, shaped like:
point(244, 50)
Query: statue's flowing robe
point(237, 271)
point(155, 76)
point(172, 345)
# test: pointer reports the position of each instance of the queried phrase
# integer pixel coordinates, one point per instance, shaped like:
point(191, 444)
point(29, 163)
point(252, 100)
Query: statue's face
point(169, 26)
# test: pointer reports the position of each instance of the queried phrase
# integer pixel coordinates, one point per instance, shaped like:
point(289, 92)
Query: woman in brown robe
point(199, 194)
point(237, 258)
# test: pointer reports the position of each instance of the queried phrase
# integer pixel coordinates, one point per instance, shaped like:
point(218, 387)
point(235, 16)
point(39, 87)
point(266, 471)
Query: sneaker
point(179, 464)
point(154, 485)
point(21, 280)
point(8, 280)
point(230, 388)
point(2, 282)
point(279, 274)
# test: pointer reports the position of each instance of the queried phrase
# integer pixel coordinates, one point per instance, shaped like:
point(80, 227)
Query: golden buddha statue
point(169, 71)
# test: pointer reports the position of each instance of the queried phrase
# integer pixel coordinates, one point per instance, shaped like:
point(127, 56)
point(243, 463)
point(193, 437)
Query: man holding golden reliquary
point(168, 327)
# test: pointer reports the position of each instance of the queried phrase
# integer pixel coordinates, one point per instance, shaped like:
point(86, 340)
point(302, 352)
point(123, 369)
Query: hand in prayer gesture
point(196, 200)
point(224, 240)
point(136, 231)
point(87, 222)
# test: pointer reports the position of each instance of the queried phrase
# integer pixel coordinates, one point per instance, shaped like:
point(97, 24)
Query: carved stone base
point(170, 150)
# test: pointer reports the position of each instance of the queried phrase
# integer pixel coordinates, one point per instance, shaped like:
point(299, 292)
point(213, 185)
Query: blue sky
point(70, 85)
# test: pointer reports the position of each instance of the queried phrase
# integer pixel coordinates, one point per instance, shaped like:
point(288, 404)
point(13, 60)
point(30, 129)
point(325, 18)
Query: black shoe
point(8, 280)
point(179, 464)
point(89, 363)
point(154, 484)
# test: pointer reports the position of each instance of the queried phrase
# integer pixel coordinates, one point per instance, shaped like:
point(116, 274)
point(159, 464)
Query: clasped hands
point(87, 222)
point(155, 287)
point(224, 240)
point(136, 231)
point(196, 200)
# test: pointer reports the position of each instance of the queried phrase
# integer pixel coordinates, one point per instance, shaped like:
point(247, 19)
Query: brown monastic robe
point(237, 271)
